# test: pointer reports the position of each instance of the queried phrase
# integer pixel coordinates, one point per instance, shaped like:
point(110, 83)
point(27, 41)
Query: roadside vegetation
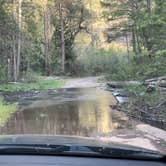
point(41, 84)
point(146, 106)
point(117, 66)
point(138, 69)
point(6, 111)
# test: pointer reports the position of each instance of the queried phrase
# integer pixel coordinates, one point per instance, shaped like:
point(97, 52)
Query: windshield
point(81, 71)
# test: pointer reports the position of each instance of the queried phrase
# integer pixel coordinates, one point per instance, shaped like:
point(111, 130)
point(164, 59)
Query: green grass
point(39, 85)
point(5, 111)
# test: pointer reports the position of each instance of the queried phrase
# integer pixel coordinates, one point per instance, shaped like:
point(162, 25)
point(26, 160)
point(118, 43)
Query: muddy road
point(81, 108)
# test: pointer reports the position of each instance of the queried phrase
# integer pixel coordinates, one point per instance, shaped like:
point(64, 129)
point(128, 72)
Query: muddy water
point(79, 112)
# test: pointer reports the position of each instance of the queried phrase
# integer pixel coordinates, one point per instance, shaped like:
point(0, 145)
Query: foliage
point(144, 20)
point(118, 66)
point(38, 19)
point(134, 70)
point(98, 61)
point(7, 25)
point(73, 19)
point(31, 77)
point(5, 111)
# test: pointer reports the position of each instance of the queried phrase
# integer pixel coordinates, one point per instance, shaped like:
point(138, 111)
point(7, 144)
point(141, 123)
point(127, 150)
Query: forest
point(124, 39)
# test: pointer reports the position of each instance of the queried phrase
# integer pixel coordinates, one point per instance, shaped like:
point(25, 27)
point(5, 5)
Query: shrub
point(5, 111)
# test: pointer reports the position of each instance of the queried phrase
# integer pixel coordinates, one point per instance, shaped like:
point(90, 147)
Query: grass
point(5, 111)
point(39, 85)
point(140, 96)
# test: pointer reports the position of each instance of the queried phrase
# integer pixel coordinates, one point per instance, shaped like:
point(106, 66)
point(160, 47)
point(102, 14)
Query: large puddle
point(78, 112)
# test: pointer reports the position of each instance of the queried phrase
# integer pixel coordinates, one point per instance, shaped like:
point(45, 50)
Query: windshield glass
point(80, 71)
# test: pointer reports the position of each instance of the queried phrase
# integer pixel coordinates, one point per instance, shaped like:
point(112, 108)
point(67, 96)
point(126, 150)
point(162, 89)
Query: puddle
point(73, 111)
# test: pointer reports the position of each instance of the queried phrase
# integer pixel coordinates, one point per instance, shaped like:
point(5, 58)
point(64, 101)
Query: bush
point(119, 66)
point(3, 75)
point(98, 61)
point(5, 111)
point(30, 76)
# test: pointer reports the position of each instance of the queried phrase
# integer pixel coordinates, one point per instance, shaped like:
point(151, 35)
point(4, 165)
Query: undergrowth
point(118, 66)
point(39, 85)
point(5, 111)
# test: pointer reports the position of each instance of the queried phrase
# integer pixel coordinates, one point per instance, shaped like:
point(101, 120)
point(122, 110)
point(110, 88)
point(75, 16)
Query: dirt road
point(85, 82)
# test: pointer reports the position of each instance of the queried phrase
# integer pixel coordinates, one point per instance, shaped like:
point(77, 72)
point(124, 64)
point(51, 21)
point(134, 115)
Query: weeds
point(146, 106)
point(39, 85)
point(5, 111)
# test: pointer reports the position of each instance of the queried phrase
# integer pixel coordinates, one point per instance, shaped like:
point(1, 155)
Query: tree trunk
point(46, 39)
point(148, 6)
point(14, 51)
point(19, 37)
point(134, 41)
point(14, 61)
point(62, 39)
point(127, 45)
point(9, 69)
point(138, 44)
point(149, 32)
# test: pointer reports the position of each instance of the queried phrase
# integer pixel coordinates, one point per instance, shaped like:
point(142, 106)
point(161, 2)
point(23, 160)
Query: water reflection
point(81, 112)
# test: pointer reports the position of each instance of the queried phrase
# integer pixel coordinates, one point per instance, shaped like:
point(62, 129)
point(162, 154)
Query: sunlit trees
point(144, 19)
point(39, 35)
point(9, 41)
point(68, 22)
point(3, 35)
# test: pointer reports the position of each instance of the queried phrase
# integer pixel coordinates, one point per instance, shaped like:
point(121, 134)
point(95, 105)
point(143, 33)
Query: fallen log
point(122, 84)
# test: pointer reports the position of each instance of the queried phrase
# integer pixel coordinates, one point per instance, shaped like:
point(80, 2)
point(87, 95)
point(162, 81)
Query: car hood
point(60, 140)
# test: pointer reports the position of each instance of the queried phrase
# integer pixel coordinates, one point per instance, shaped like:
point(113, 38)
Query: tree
point(138, 17)
point(8, 35)
point(3, 26)
point(62, 37)
point(46, 37)
point(19, 38)
point(68, 22)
